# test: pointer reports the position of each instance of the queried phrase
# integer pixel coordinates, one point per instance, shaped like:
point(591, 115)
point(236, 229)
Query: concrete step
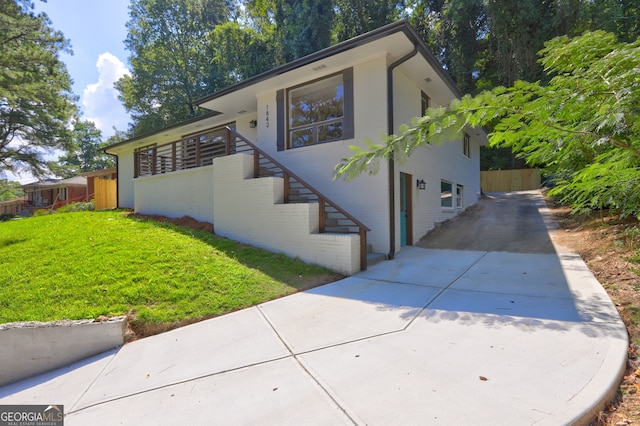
point(342, 229)
point(266, 172)
point(298, 199)
point(373, 258)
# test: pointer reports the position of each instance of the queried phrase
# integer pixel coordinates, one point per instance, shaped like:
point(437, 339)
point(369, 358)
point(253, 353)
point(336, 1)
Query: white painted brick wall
point(125, 180)
point(176, 194)
point(251, 211)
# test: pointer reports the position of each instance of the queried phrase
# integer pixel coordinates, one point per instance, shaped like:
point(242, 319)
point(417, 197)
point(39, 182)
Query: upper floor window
point(424, 103)
point(466, 146)
point(320, 111)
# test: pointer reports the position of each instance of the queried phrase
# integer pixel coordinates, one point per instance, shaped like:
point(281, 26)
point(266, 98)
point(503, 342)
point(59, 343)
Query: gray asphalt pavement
point(510, 222)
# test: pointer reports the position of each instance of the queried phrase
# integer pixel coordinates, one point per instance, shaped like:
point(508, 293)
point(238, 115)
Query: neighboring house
point(14, 206)
point(55, 192)
point(297, 122)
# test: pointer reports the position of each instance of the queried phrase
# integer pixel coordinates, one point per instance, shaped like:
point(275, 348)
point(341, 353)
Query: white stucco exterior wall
point(366, 197)
point(126, 197)
point(431, 163)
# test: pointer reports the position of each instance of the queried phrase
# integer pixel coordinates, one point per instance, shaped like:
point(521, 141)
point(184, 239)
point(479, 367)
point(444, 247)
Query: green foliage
point(10, 190)
point(36, 103)
point(366, 15)
point(170, 60)
point(484, 44)
point(631, 237)
point(182, 50)
point(240, 52)
point(303, 26)
point(105, 263)
point(6, 216)
point(76, 207)
point(67, 208)
point(84, 153)
point(616, 17)
point(494, 158)
point(456, 31)
point(41, 212)
point(582, 126)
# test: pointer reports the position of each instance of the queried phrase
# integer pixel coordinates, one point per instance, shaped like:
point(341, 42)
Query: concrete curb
point(31, 348)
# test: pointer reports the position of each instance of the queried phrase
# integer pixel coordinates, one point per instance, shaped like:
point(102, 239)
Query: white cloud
point(100, 100)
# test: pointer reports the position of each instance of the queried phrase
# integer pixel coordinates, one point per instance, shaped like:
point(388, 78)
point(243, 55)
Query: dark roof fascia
point(399, 26)
point(431, 59)
point(162, 130)
point(53, 185)
point(41, 183)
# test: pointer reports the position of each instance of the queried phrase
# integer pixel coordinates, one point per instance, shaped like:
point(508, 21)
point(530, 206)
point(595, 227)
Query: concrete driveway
point(435, 336)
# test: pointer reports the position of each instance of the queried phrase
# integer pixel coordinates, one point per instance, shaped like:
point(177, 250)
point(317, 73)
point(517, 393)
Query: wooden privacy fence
point(510, 180)
point(105, 193)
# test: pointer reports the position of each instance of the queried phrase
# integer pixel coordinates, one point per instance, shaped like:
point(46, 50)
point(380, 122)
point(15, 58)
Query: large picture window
point(320, 111)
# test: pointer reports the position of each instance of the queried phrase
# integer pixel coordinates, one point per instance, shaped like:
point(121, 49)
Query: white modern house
point(260, 165)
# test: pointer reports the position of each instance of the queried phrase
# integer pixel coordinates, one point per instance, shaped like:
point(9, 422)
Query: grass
point(89, 264)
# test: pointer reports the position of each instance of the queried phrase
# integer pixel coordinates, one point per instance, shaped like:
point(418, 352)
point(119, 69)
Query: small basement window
point(459, 196)
point(446, 194)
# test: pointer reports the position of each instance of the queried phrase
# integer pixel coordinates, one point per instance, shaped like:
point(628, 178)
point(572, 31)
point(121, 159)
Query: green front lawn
point(88, 264)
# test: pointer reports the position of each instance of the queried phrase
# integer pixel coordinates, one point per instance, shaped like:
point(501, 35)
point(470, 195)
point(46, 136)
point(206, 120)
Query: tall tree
point(36, 102)
point(620, 17)
point(240, 51)
point(360, 16)
point(303, 26)
point(518, 31)
point(456, 30)
point(10, 190)
point(84, 153)
point(170, 59)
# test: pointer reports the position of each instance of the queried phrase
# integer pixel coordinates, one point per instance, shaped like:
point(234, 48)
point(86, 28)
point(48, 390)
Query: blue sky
point(96, 29)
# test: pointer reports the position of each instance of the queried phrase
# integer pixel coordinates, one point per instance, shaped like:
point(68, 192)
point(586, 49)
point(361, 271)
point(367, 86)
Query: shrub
point(6, 216)
point(76, 207)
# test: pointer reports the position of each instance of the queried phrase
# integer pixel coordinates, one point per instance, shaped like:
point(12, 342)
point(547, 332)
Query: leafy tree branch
point(583, 129)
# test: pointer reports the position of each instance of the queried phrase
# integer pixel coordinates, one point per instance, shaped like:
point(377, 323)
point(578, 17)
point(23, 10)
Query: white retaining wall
point(252, 211)
point(176, 194)
point(32, 348)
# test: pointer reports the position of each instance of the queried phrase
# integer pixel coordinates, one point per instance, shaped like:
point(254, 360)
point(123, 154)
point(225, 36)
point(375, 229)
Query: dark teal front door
point(405, 209)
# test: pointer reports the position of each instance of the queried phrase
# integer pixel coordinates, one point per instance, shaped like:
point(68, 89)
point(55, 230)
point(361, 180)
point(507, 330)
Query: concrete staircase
point(254, 211)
